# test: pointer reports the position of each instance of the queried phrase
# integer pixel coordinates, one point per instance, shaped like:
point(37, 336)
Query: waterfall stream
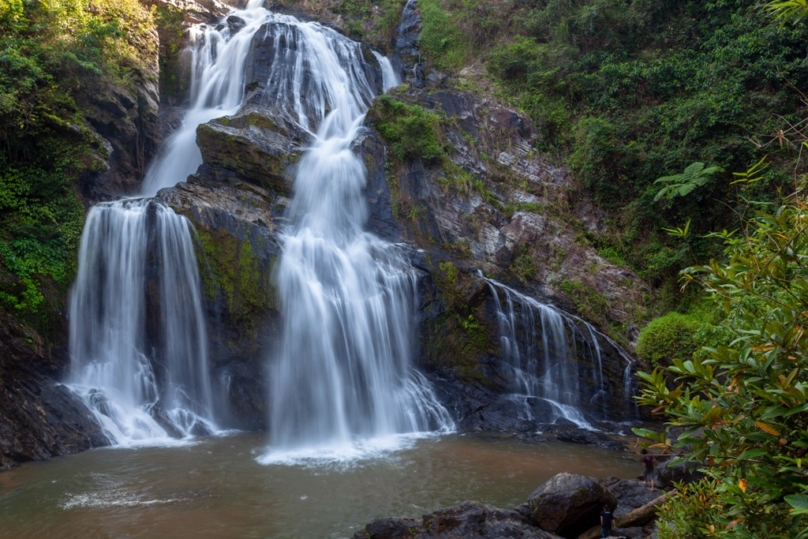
point(138, 344)
point(342, 372)
point(546, 350)
point(341, 379)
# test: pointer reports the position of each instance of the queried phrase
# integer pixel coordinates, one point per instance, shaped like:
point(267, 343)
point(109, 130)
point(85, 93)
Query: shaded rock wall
point(39, 418)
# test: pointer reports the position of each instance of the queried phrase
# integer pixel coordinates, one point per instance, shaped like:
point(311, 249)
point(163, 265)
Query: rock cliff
point(482, 201)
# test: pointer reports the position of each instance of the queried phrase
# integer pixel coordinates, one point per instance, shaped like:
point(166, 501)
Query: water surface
point(216, 489)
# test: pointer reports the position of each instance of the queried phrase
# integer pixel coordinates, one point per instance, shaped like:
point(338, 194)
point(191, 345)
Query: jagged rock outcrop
point(237, 225)
point(563, 507)
point(125, 118)
point(39, 418)
point(198, 11)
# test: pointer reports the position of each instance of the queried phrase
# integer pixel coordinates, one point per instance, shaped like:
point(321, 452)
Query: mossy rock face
point(237, 276)
point(252, 146)
point(237, 232)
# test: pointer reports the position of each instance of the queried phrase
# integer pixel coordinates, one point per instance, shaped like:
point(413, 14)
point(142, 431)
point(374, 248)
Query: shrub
point(668, 337)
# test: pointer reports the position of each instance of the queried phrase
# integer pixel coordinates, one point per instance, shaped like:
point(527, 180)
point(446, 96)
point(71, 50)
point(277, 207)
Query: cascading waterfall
point(218, 59)
point(142, 368)
point(138, 342)
point(539, 347)
point(342, 374)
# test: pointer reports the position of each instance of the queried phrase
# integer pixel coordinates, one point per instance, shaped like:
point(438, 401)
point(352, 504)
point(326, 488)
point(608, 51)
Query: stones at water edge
point(576, 499)
point(569, 504)
point(469, 520)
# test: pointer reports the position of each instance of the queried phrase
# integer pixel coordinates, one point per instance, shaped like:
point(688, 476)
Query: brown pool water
point(216, 489)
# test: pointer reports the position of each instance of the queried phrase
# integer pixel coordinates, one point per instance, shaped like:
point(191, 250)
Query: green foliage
point(786, 11)
point(52, 53)
point(358, 12)
point(683, 184)
point(524, 267)
point(590, 304)
point(668, 337)
point(625, 89)
point(441, 39)
point(411, 131)
point(741, 407)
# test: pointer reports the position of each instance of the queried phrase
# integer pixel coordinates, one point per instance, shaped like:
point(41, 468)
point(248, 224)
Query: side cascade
point(341, 381)
point(138, 343)
point(548, 353)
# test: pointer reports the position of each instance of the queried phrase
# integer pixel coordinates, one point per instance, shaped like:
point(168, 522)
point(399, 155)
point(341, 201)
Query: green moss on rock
point(233, 275)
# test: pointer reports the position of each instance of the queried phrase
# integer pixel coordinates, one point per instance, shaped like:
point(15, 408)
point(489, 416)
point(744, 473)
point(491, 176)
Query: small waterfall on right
point(547, 352)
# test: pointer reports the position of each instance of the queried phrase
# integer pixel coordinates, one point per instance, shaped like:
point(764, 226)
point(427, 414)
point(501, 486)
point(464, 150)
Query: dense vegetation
point(743, 402)
point(52, 54)
point(628, 91)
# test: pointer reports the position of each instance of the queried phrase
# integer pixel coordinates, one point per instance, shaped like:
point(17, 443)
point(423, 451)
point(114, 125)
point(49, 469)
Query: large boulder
point(569, 504)
point(469, 520)
point(257, 147)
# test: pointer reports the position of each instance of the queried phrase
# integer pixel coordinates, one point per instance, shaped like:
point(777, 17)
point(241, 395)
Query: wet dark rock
point(686, 472)
point(126, 122)
point(253, 146)
point(469, 520)
point(405, 57)
point(631, 494)
point(238, 225)
point(39, 418)
point(569, 504)
point(573, 434)
point(235, 24)
point(278, 42)
point(380, 202)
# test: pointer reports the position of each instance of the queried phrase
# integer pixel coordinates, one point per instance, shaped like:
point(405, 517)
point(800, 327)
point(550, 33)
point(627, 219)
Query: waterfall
point(218, 59)
point(141, 368)
point(342, 374)
point(545, 351)
point(138, 343)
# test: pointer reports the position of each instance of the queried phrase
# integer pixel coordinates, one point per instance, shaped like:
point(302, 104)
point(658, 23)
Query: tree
point(740, 409)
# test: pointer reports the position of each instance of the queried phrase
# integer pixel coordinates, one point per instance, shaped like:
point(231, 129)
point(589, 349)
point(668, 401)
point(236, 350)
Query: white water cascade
point(217, 59)
point(138, 342)
point(341, 381)
point(539, 344)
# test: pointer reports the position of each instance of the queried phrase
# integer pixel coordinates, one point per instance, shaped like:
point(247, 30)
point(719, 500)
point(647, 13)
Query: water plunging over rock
point(555, 357)
point(342, 371)
point(138, 343)
point(137, 338)
point(218, 59)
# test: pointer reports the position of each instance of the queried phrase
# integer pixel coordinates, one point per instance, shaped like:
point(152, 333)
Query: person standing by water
point(648, 461)
point(606, 519)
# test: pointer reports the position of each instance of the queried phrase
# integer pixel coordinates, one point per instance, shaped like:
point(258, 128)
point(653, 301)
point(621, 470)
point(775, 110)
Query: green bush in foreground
point(668, 337)
point(742, 409)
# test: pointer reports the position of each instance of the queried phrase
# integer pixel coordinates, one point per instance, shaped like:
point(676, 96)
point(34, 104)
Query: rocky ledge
point(567, 506)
